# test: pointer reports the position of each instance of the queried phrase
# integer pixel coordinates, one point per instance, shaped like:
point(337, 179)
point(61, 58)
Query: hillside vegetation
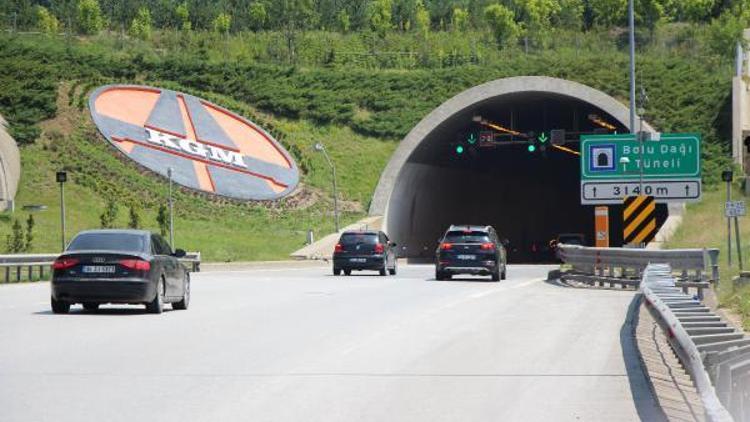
point(359, 91)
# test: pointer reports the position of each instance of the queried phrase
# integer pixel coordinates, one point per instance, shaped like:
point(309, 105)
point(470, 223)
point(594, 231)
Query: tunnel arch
point(416, 168)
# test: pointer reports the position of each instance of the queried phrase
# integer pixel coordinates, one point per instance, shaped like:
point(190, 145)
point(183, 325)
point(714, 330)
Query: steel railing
point(15, 267)
point(715, 355)
point(693, 264)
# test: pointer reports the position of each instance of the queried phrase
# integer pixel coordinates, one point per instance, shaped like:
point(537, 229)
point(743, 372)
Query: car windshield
point(108, 242)
point(467, 237)
point(359, 238)
point(571, 240)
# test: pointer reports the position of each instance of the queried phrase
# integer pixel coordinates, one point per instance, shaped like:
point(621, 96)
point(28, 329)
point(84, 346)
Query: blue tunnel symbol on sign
point(602, 158)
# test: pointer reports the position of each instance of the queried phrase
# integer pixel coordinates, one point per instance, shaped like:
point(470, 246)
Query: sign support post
point(726, 176)
point(601, 226)
point(171, 209)
point(61, 178)
point(739, 245)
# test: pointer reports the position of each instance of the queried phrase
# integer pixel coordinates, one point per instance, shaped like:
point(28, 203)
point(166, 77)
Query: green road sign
point(612, 167)
point(623, 157)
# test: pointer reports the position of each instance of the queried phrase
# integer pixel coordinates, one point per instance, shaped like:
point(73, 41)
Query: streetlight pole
point(61, 178)
point(631, 24)
point(641, 114)
point(321, 148)
point(171, 209)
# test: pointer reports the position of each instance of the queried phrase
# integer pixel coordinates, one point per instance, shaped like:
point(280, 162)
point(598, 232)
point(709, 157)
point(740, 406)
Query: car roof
point(469, 227)
point(360, 232)
point(117, 231)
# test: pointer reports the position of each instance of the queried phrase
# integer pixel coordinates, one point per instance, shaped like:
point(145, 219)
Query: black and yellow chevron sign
point(639, 219)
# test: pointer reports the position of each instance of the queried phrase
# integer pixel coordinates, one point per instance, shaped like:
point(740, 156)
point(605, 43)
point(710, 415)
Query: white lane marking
point(260, 270)
point(506, 287)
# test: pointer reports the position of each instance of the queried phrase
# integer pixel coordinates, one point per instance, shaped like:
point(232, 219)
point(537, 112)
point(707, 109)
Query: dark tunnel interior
point(529, 197)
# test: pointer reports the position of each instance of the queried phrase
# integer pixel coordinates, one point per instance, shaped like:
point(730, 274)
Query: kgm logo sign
point(208, 147)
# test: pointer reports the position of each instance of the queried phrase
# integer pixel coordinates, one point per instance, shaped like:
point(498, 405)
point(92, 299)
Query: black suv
point(364, 250)
point(467, 249)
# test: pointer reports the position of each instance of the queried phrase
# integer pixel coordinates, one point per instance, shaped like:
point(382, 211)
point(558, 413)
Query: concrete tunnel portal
point(530, 198)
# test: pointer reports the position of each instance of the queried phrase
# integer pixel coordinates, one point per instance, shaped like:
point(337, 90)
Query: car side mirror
point(179, 253)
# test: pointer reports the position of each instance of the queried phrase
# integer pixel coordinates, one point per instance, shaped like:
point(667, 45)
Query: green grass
point(222, 230)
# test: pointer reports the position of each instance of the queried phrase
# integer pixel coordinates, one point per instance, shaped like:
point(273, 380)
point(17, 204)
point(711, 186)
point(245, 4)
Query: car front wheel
point(185, 302)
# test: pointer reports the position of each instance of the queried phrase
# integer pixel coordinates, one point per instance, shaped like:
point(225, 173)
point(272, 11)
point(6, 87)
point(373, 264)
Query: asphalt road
point(298, 344)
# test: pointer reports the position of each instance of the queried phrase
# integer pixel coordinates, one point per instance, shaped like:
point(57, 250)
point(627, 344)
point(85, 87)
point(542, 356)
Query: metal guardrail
point(694, 264)
point(14, 266)
point(715, 355)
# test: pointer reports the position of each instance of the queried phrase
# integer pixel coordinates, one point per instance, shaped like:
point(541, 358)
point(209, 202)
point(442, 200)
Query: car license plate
point(359, 260)
point(467, 257)
point(99, 269)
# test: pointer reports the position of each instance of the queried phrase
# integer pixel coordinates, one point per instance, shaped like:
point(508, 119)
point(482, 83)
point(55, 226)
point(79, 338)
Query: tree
point(607, 13)
point(29, 243)
point(135, 218)
point(292, 16)
point(380, 16)
point(502, 23)
point(162, 219)
point(140, 27)
point(422, 18)
point(108, 217)
point(570, 15)
point(183, 16)
point(222, 23)
point(46, 21)
point(459, 19)
point(342, 21)
point(693, 10)
point(15, 242)
point(648, 13)
point(89, 20)
point(258, 16)
point(726, 31)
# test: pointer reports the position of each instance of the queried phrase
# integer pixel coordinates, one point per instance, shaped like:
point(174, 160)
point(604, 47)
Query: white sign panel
point(614, 192)
point(735, 209)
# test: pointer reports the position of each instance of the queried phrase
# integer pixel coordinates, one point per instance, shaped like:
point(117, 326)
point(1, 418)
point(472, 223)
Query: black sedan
point(364, 250)
point(122, 267)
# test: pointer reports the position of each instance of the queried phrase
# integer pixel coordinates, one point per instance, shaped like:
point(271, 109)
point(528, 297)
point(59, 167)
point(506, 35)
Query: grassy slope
point(357, 111)
point(223, 231)
point(704, 225)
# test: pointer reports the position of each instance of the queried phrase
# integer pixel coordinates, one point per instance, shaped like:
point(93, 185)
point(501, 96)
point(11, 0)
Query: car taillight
point(488, 246)
point(339, 248)
point(379, 248)
point(136, 264)
point(64, 263)
point(446, 246)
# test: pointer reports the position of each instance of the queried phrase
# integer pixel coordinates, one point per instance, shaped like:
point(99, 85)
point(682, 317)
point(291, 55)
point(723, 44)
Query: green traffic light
point(532, 148)
point(472, 138)
point(459, 149)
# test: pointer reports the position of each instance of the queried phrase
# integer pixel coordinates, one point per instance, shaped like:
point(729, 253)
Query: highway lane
point(298, 344)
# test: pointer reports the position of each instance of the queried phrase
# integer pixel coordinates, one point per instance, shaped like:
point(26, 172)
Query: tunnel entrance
point(529, 197)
